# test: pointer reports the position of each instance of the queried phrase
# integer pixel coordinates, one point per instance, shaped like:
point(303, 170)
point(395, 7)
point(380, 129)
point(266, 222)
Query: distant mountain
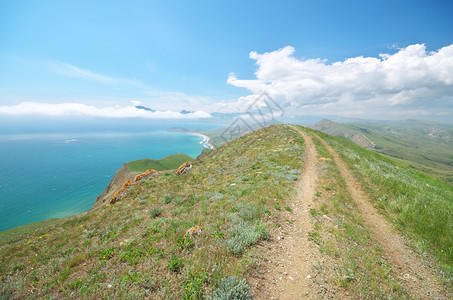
point(337, 129)
point(145, 108)
point(178, 129)
point(185, 112)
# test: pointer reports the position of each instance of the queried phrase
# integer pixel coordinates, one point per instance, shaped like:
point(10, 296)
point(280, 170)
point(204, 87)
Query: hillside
point(283, 212)
point(337, 129)
point(130, 169)
point(427, 146)
point(167, 163)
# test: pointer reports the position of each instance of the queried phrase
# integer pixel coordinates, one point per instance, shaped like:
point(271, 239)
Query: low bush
point(231, 288)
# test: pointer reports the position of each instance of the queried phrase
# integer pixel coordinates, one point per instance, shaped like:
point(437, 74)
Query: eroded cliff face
point(121, 176)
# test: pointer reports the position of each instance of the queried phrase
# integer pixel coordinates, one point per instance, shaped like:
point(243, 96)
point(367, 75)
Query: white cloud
point(79, 109)
point(410, 78)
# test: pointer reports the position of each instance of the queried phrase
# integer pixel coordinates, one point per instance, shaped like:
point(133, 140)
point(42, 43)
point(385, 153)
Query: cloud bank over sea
point(80, 109)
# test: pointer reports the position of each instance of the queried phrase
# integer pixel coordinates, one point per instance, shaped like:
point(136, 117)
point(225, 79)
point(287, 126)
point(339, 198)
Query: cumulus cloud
point(410, 79)
point(79, 109)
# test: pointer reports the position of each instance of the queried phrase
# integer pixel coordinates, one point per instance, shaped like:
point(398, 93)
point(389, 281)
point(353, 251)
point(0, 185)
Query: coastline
point(88, 201)
point(206, 140)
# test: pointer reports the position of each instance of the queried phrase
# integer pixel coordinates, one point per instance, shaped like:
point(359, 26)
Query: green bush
point(231, 288)
point(246, 227)
point(156, 212)
point(167, 199)
point(244, 234)
point(175, 263)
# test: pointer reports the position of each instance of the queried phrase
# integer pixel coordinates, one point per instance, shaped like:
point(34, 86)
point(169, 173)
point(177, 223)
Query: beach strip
point(206, 140)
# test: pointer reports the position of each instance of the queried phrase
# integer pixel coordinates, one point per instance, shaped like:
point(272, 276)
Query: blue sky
point(198, 55)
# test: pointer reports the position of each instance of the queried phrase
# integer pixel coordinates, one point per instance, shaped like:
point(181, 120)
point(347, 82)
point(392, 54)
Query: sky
point(362, 59)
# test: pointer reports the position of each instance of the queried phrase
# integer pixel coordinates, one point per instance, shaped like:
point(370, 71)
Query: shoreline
point(206, 143)
point(206, 140)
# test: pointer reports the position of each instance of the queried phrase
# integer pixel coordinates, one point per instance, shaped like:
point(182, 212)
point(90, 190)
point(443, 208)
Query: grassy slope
point(412, 146)
point(136, 248)
point(355, 262)
point(419, 205)
point(410, 142)
point(166, 163)
point(174, 161)
point(21, 232)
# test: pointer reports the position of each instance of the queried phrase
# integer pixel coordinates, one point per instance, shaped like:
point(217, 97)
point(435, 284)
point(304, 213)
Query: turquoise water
point(56, 175)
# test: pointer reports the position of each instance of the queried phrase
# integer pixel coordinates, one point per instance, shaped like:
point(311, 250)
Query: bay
point(54, 175)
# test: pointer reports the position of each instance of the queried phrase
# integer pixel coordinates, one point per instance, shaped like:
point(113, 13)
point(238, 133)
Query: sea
point(58, 169)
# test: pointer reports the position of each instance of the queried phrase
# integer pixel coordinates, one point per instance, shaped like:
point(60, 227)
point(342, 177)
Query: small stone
point(290, 278)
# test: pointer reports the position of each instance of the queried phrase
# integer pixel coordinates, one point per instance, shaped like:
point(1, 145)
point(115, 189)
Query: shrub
point(156, 212)
point(167, 199)
point(231, 288)
point(246, 227)
point(243, 234)
point(175, 263)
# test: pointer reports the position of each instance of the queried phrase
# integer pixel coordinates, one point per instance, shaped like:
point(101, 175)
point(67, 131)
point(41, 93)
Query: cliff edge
point(121, 176)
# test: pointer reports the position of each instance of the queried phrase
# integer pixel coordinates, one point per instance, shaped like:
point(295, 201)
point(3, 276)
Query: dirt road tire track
point(417, 278)
point(291, 254)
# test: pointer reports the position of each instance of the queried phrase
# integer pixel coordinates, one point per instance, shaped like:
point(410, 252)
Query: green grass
point(413, 142)
point(355, 263)
point(430, 156)
point(136, 247)
point(9, 236)
point(167, 163)
point(418, 205)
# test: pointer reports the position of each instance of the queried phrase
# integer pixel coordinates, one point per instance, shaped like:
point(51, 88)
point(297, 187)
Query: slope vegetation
point(166, 163)
point(295, 212)
point(137, 247)
point(427, 146)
